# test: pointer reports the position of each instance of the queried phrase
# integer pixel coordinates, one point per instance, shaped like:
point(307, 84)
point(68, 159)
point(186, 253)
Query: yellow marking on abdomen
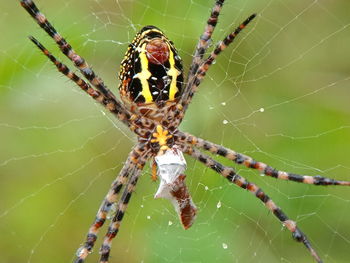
point(173, 72)
point(144, 75)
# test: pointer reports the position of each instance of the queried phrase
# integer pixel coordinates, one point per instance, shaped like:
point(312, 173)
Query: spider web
point(279, 94)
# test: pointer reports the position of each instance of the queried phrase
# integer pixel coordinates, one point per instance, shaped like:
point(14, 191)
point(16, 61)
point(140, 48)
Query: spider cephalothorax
point(155, 100)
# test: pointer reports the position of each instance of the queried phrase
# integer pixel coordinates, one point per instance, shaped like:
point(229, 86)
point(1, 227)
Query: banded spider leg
point(230, 174)
point(122, 205)
point(101, 93)
point(79, 62)
point(66, 48)
point(132, 168)
point(205, 38)
point(86, 87)
point(199, 67)
point(249, 162)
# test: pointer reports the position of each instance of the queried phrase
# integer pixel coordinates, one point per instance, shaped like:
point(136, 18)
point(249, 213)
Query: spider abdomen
point(151, 71)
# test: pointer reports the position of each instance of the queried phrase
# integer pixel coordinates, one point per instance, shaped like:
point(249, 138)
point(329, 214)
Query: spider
point(155, 96)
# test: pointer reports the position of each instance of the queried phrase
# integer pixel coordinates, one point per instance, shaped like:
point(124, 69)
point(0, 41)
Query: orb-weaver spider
point(155, 98)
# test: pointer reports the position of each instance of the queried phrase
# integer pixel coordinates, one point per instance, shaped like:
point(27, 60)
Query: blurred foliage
point(59, 152)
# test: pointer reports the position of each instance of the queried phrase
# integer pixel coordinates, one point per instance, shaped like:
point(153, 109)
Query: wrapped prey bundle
point(171, 166)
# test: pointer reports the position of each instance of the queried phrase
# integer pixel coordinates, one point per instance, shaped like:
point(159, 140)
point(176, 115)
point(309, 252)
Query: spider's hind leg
point(67, 49)
point(111, 105)
point(201, 70)
point(205, 38)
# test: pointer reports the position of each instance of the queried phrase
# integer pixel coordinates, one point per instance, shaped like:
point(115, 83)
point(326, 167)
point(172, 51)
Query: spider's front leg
point(240, 181)
point(131, 167)
point(139, 163)
point(116, 221)
point(251, 163)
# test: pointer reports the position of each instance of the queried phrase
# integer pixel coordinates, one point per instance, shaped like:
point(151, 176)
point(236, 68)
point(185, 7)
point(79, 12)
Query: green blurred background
point(59, 152)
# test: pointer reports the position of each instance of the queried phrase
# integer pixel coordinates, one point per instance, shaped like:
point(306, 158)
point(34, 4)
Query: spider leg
point(205, 38)
point(192, 86)
point(110, 104)
point(66, 49)
point(260, 166)
point(95, 94)
point(130, 167)
point(118, 217)
point(230, 174)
